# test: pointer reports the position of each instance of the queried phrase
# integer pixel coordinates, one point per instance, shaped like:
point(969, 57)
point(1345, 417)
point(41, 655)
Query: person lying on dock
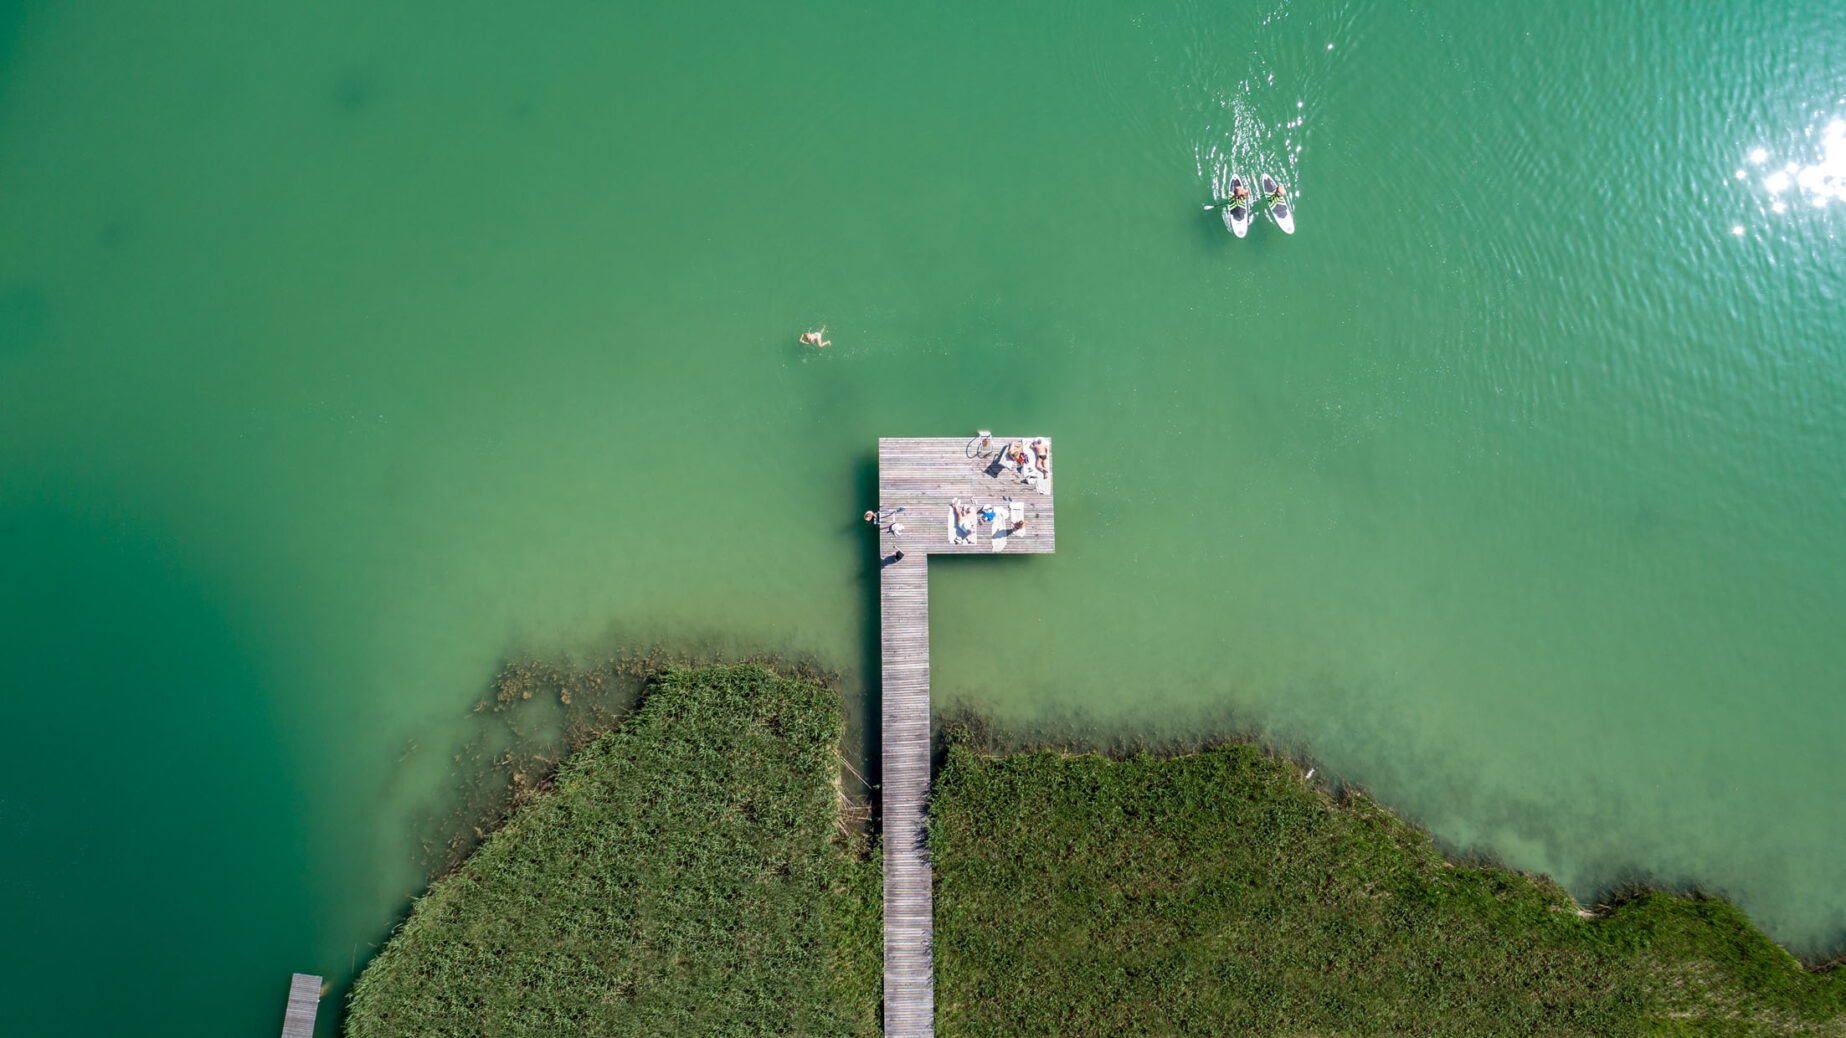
point(963, 532)
point(1016, 453)
point(1041, 450)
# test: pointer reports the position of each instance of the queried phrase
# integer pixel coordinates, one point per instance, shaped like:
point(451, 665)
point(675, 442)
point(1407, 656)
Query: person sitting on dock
point(816, 339)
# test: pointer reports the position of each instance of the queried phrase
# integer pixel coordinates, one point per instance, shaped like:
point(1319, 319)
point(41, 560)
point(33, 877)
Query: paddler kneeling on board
point(1278, 196)
point(1240, 195)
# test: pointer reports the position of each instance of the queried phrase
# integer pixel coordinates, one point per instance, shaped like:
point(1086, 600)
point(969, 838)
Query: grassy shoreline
point(1220, 892)
point(685, 872)
point(694, 871)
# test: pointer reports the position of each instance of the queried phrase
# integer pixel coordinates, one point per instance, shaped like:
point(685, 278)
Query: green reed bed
point(1219, 893)
point(685, 873)
point(688, 873)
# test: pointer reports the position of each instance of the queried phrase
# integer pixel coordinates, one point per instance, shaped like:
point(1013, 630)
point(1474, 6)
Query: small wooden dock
point(923, 477)
point(303, 1004)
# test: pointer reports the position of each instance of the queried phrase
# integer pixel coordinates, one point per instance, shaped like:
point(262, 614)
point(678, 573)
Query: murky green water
point(343, 353)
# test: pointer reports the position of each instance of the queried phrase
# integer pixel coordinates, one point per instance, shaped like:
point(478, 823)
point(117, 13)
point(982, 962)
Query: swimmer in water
point(815, 339)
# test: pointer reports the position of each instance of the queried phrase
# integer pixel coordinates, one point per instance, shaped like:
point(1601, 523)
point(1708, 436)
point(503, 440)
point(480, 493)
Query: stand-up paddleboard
point(1284, 217)
point(1237, 214)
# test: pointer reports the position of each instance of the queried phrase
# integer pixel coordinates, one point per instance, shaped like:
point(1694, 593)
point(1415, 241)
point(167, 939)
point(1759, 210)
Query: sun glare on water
point(1819, 181)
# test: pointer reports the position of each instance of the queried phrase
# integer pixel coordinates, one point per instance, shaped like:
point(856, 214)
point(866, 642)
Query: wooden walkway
point(303, 1004)
point(922, 476)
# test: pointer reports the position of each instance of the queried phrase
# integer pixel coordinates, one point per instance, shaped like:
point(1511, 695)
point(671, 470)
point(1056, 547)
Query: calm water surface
point(343, 353)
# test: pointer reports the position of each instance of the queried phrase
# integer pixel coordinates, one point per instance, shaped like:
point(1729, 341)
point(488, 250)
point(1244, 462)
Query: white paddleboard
point(1237, 215)
point(1281, 212)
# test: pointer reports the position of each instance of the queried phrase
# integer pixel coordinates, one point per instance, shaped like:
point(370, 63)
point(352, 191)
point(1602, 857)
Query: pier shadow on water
point(870, 718)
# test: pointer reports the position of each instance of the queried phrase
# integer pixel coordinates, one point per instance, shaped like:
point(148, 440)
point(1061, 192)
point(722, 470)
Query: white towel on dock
point(1003, 524)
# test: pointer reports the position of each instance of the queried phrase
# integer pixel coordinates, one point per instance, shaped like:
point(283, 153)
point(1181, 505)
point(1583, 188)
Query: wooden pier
point(923, 477)
point(303, 1004)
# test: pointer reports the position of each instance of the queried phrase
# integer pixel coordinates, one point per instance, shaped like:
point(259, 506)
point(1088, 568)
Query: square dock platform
point(924, 475)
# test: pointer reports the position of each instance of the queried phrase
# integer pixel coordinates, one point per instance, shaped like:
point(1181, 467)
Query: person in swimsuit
point(964, 522)
point(816, 339)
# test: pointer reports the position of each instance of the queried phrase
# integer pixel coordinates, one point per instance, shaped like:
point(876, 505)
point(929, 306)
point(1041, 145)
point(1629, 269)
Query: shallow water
point(342, 354)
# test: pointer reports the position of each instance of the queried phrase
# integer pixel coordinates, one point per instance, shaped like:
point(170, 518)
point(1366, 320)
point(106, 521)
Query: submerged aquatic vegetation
point(535, 712)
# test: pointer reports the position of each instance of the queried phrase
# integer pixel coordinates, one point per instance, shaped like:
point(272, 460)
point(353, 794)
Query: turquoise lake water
point(344, 353)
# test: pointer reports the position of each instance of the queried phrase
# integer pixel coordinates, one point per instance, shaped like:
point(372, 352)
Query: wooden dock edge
point(303, 1006)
